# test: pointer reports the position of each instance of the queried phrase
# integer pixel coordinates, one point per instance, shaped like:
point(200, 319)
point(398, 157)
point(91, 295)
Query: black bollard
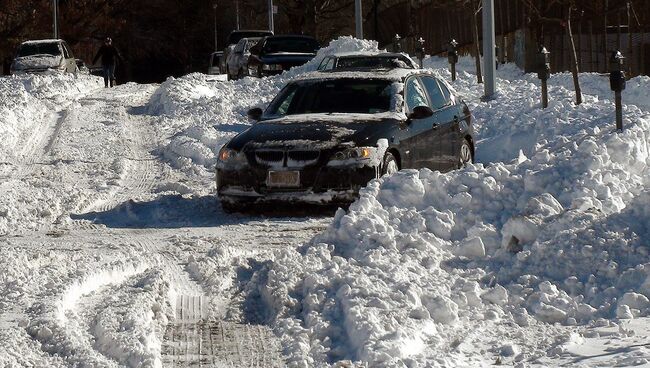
point(544, 72)
point(617, 84)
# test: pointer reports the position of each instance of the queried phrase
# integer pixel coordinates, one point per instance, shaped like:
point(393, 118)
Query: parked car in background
point(233, 39)
point(237, 63)
point(216, 60)
point(44, 56)
point(275, 54)
point(361, 60)
point(325, 135)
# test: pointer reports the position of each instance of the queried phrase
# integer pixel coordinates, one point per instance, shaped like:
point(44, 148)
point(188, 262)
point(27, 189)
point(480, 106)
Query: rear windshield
point(333, 96)
point(300, 45)
point(30, 49)
point(236, 36)
point(376, 62)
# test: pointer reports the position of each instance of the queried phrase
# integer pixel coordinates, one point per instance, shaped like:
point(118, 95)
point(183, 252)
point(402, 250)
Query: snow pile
point(550, 227)
point(26, 101)
point(200, 114)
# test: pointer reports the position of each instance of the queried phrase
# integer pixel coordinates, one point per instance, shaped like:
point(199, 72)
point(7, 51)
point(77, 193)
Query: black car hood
point(315, 131)
point(285, 57)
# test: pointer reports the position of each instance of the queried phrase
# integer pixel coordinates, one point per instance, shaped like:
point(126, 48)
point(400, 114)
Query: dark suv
point(275, 54)
point(325, 135)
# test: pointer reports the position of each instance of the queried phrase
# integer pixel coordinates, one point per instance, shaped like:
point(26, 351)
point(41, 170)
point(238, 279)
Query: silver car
point(237, 61)
point(43, 56)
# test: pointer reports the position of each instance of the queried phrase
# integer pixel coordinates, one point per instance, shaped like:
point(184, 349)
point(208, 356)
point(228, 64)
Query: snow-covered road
point(115, 252)
point(96, 256)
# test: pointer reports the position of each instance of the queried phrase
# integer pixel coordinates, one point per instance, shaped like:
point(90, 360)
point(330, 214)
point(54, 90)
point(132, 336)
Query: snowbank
point(27, 102)
point(549, 227)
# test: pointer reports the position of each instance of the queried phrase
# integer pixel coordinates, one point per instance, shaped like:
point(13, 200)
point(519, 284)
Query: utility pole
point(489, 53)
point(216, 42)
point(358, 18)
point(55, 9)
point(271, 25)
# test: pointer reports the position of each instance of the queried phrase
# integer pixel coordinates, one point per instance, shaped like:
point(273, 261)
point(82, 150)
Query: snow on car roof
point(367, 53)
point(397, 74)
point(42, 41)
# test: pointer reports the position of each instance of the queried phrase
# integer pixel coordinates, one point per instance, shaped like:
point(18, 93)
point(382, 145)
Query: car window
point(68, 50)
point(333, 96)
point(446, 92)
point(323, 63)
point(29, 49)
point(283, 108)
point(330, 64)
point(415, 95)
point(437, 97)
point(240, 46)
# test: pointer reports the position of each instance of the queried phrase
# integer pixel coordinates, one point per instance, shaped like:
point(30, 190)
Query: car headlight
point(230, 157)
point(354, 157)
point(272, 67)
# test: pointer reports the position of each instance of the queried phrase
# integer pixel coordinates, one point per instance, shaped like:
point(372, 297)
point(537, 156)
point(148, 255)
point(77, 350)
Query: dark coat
point(109, 55)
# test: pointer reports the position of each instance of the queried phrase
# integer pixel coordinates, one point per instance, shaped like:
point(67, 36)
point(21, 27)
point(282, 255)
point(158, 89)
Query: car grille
point(294, 158)
point(303, 155)
point(271, 158)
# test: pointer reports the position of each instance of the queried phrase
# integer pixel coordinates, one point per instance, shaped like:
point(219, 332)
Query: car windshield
point(29, 49)
point(300, 45)
point(333, 96)
point(377, 62)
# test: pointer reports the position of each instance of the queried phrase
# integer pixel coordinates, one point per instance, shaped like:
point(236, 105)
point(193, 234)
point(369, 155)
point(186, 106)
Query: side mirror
point(255, 114)
point(420, 112)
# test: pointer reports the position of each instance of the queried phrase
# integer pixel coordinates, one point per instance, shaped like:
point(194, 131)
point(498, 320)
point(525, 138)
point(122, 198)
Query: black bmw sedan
point(326, 135)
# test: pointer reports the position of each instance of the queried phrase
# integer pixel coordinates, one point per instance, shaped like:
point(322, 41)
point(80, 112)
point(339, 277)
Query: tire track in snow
point(140, 171)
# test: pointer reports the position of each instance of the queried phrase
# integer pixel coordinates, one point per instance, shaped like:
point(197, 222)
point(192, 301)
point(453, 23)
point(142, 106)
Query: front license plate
point(283, 179)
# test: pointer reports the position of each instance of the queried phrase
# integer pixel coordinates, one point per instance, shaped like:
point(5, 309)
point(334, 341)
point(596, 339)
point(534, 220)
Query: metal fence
point(596, 34)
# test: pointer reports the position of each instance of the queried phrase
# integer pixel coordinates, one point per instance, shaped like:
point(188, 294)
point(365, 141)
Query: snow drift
point(551, 226)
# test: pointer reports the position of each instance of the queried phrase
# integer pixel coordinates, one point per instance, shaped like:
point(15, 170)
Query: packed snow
point(534, 256)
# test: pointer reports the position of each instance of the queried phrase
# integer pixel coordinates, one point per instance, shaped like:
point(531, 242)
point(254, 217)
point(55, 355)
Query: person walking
point(109, 56)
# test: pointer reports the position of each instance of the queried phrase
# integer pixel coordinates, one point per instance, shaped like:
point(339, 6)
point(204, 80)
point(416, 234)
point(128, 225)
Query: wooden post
point(591, 49)
point(580, 42)
point(605, 52)
point(574, 60)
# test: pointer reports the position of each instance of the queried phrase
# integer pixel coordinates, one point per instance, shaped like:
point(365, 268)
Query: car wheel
point(389, 166)
point(466, 155)
point(229, 207)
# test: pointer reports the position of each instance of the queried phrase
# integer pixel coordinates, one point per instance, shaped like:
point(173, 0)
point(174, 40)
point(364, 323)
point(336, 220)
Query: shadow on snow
point(176, 211)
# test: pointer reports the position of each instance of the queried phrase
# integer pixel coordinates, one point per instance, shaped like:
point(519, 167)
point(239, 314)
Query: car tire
point(466, 154)
point(229, 207)
point(240, 75)
point(389, 166)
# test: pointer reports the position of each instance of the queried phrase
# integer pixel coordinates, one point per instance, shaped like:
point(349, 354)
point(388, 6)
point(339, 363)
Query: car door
point(70, 63)
point(446, 123)
point(418, 137)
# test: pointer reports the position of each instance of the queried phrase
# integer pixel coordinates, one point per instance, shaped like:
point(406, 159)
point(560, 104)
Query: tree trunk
point(477, 45)
point(574, 60)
